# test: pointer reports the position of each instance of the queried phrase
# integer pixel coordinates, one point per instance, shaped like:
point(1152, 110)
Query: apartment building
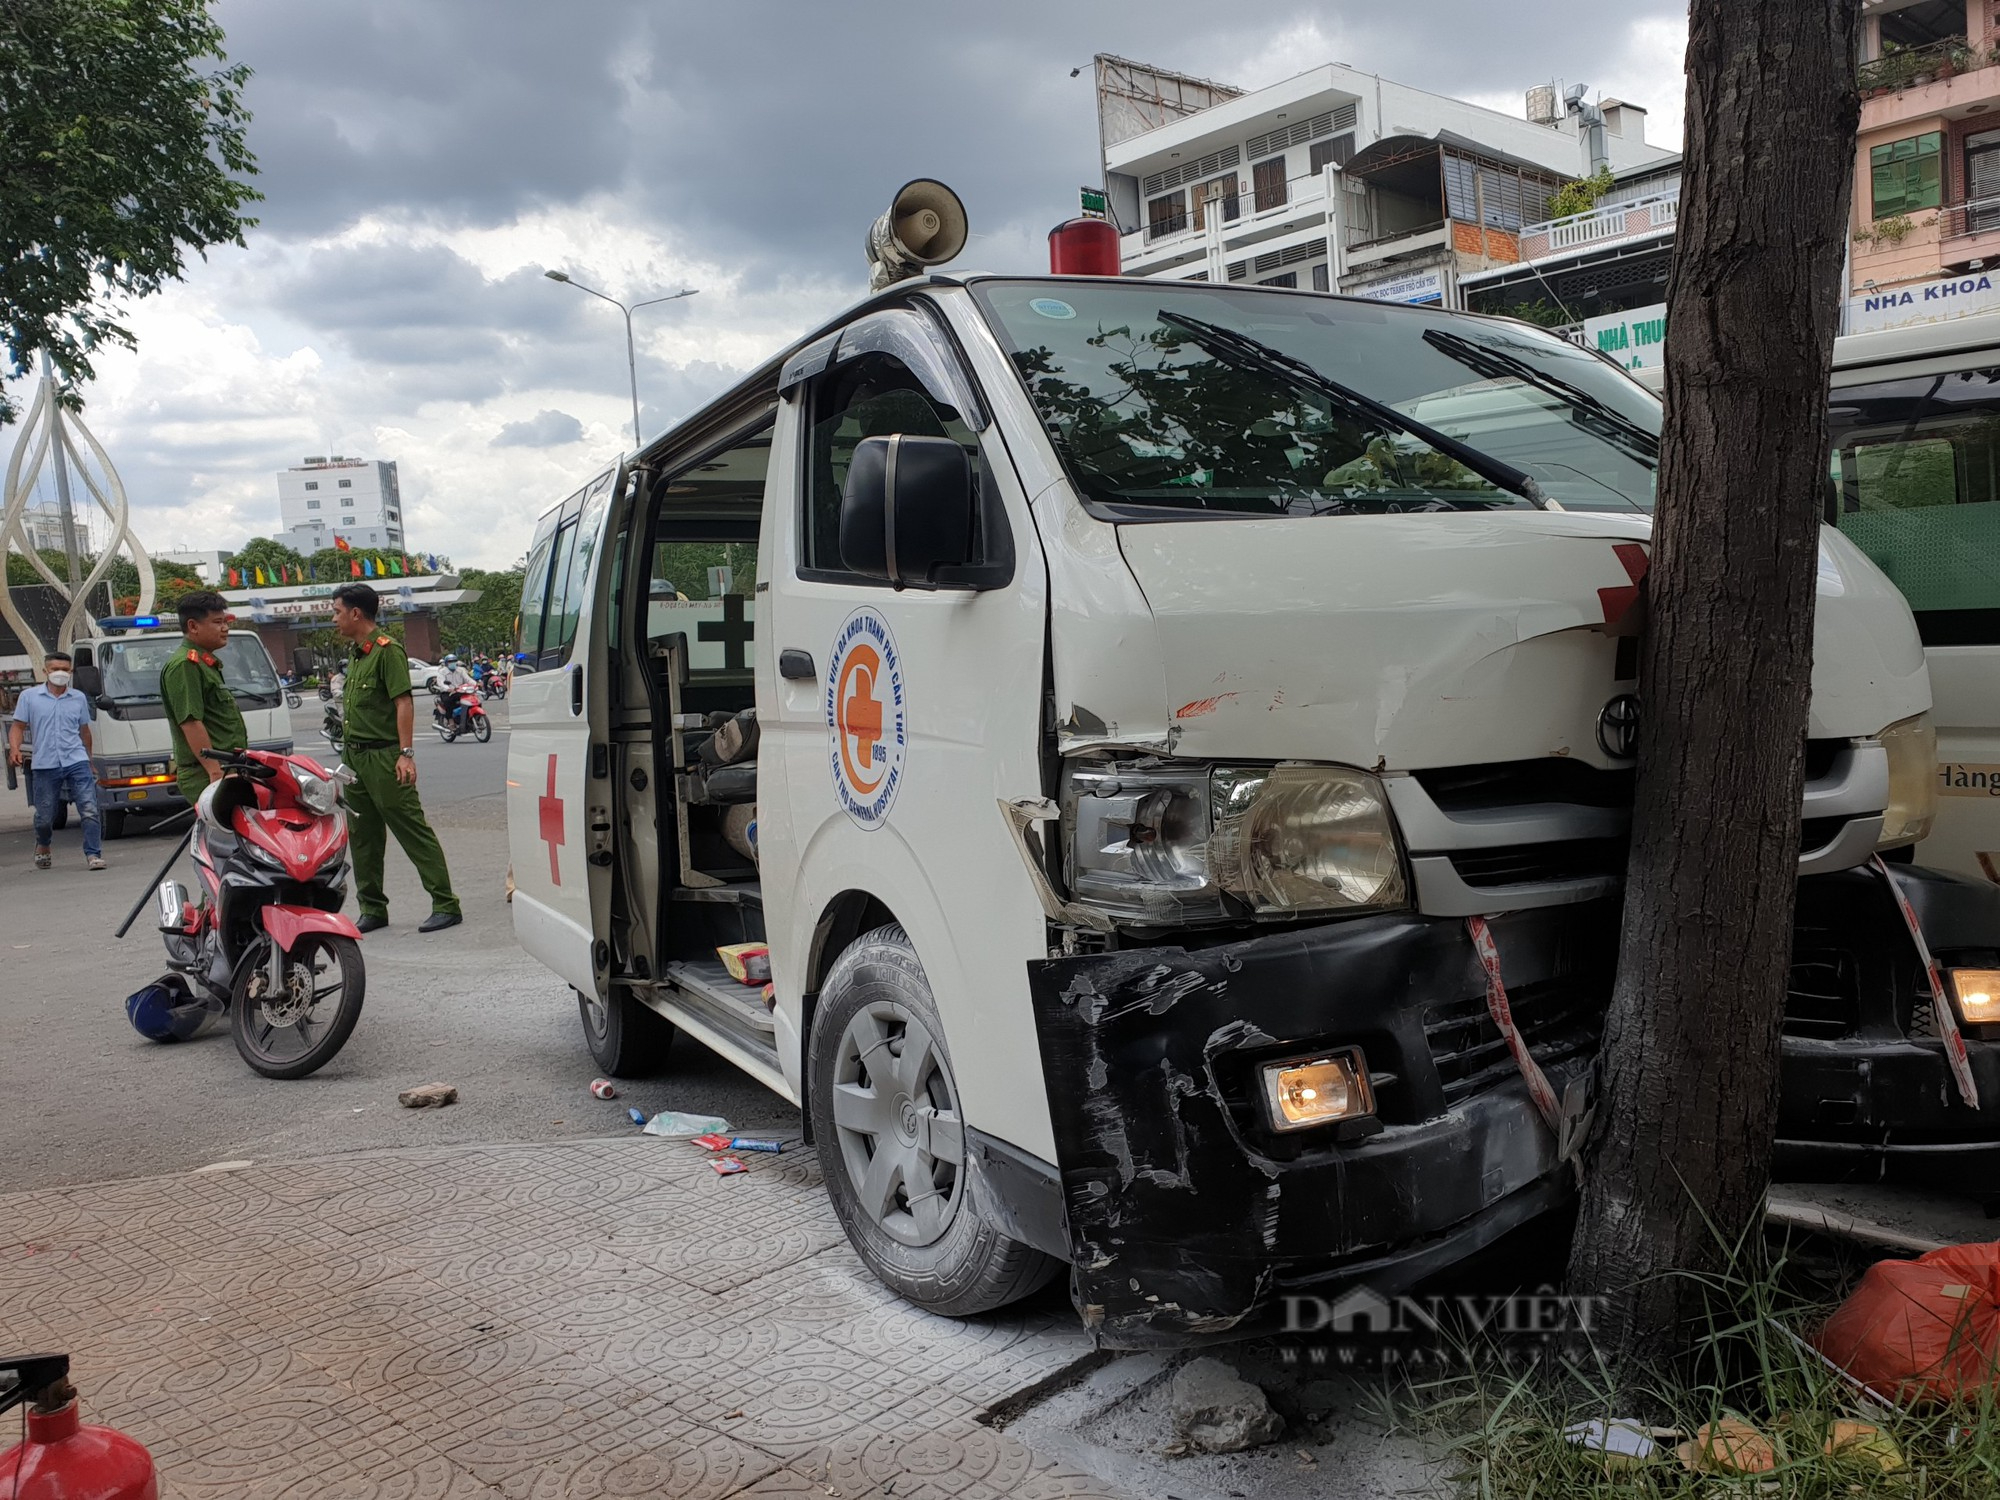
point(1926, 228)
point(1340, 179)
point(355, 500)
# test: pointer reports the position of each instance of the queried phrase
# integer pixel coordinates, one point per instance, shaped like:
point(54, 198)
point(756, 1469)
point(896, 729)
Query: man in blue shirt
point(57, 717)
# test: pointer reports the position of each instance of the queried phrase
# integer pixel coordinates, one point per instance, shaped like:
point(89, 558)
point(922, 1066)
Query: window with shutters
point(1904, 175)
point(1290, 281)
point(1337, 152)
point(1982, 181)
point(1166, 215)
point(1217, 195)
point(1321, 280)
point(1268, 179)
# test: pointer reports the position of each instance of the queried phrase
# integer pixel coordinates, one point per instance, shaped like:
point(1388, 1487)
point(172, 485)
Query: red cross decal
point(864, 717)
point(1617, 601)
point(551, 809)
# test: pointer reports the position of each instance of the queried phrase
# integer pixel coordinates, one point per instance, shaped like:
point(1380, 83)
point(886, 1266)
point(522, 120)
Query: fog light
point(1304, 1092)
point(1978, 994)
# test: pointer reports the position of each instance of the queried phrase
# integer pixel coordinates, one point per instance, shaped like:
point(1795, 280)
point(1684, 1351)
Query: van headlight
point(1164, 842)
point(1912, 747)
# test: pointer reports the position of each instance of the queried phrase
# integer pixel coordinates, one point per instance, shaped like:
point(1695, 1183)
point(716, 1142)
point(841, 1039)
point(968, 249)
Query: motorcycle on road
point(457, 711)
point(263, 937)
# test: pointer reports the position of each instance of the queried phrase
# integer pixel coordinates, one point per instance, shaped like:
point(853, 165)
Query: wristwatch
point(406, 750)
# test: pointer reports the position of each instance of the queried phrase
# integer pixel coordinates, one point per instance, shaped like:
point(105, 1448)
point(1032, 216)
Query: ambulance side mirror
point(907, 509)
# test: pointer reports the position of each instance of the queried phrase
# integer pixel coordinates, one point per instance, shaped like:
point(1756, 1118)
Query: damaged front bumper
point(1188, 1216)
point(1866, 1093)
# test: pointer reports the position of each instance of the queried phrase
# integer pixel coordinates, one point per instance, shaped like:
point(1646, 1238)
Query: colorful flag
point(397, 564)
point(341, 543)
point(235, 579)
point(357, 568)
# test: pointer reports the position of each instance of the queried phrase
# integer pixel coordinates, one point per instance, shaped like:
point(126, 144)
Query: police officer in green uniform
point(201, 712)
point(381, 720)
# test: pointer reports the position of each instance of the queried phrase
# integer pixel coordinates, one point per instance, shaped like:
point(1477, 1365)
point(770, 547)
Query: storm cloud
point(423, 164)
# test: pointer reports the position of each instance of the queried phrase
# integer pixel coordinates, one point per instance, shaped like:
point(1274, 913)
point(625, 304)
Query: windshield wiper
point(1586, 410)
point(1255, 354)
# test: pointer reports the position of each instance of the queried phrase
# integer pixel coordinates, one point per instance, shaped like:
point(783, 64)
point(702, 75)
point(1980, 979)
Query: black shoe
point(369, 922)
point(437, 921)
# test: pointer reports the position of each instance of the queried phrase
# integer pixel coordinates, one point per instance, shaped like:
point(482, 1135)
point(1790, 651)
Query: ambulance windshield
point(1254, 402)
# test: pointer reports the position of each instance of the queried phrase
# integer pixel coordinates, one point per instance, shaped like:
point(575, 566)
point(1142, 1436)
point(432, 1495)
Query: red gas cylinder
point(66, 1458)
point(1084, 247)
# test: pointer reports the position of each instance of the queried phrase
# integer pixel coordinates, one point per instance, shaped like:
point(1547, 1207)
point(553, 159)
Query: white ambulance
point(1142, 695)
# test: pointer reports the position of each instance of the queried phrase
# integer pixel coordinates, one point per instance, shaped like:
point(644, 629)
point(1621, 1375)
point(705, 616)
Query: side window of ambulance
point(534, 599)
point(550, 652)
point(873, 396)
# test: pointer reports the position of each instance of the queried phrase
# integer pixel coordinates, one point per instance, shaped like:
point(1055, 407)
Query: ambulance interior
point(697, 645)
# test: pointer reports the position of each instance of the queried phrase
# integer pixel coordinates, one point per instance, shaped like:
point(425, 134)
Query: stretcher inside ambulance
point(1143, 696)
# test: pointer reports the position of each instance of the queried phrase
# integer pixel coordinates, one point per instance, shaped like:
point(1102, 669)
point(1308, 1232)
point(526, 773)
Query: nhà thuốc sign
point(1636, 339)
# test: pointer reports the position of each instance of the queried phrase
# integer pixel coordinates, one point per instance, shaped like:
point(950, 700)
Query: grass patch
point(1505, 1426)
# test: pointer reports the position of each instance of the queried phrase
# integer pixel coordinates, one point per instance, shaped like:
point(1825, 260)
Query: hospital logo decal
point(865, 728)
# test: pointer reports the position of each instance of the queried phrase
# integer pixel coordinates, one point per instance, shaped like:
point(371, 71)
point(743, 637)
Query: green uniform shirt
point(378, 673)
point(191, 687)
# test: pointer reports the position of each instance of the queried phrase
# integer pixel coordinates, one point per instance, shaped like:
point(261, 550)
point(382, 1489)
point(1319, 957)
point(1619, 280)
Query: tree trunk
point(1689, 1105)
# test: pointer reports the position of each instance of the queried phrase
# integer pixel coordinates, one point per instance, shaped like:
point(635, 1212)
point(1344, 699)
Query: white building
point(43, 524)
point(1339, 179)
point(209, 565)
point(353, 499)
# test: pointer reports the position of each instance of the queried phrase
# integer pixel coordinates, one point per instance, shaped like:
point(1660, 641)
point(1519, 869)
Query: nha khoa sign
point(1636, 339)
point(1922, 302)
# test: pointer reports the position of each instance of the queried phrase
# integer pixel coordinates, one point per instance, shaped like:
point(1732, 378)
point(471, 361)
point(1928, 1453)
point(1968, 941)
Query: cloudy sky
point(423, 161)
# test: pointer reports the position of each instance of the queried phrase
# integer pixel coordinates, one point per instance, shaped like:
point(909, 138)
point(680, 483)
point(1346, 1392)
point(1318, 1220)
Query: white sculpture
point(48, 436)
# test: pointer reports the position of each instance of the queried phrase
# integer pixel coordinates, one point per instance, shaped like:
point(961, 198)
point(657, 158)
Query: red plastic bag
point(1927, 1328)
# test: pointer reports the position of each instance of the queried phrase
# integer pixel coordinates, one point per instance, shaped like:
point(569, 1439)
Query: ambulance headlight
point(1304, 838)
point(1162, 842)
point(1912, 747)
point(1977, 994)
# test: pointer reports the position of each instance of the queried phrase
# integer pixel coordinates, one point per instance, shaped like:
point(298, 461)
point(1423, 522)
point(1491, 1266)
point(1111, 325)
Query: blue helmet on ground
point(165, 1011)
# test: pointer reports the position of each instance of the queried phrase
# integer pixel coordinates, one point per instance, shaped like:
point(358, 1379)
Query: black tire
point(445, 730)
point(625, 1037)
point(291, 700)
point(482, 728)
point(321, 1035)
point(111, 820)
point(952, 1259)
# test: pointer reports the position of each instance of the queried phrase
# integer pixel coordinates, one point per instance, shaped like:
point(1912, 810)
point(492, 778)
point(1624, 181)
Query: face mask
point(58, 679)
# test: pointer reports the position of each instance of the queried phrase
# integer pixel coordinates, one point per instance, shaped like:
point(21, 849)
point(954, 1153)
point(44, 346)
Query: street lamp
point(631, 355)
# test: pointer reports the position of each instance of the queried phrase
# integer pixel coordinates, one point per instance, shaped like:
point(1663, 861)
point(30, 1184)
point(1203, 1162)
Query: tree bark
point(1688, 1110)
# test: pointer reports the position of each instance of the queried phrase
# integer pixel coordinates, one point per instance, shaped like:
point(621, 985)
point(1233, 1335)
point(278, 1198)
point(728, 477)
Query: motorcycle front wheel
point(298, 1030)
point(482, 728)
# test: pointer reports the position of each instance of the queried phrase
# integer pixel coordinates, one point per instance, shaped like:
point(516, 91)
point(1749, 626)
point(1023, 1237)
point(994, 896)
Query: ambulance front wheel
point(626, 1039)
point(891, 1138)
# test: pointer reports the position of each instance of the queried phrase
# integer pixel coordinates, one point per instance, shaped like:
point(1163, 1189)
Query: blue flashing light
point(129, 622)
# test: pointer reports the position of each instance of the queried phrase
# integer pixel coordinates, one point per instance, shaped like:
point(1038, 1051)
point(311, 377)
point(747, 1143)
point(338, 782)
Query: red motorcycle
point(266, 940)
point(457, 711)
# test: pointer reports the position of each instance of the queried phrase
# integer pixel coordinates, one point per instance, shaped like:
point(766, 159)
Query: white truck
point(1143, 691)
point(132, 748)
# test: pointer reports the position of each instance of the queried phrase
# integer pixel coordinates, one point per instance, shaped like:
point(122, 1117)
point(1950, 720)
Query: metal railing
point(1608, 221)
point(1974, 216)
point(1910, 67)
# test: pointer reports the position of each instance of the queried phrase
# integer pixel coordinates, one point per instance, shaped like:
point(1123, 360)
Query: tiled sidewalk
point(598, 1319)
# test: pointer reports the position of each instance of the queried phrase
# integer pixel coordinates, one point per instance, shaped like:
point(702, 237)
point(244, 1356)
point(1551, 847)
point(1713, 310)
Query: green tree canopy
point(487, 624)
point(263, 552)
point(122, 150)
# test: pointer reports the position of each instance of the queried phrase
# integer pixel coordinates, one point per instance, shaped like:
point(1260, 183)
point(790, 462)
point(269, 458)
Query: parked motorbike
point(454, 711)
point(264, 938)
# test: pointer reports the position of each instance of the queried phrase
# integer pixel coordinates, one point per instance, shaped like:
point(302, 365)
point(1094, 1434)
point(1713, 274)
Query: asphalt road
point(84, 1098)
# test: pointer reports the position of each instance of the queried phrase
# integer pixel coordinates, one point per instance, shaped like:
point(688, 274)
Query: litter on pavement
point(1923, 1329)
point(428, 1096)
point(602, 1089)
point(726, 1166)
point(676, 1126)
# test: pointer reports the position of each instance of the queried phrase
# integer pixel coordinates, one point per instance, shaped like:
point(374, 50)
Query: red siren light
point(1084, 247)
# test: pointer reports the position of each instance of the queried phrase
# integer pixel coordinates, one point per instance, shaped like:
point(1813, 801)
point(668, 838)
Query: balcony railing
point(1974, 216)
point(1911, 67)
point(1609, 221)
point(1169, 224)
